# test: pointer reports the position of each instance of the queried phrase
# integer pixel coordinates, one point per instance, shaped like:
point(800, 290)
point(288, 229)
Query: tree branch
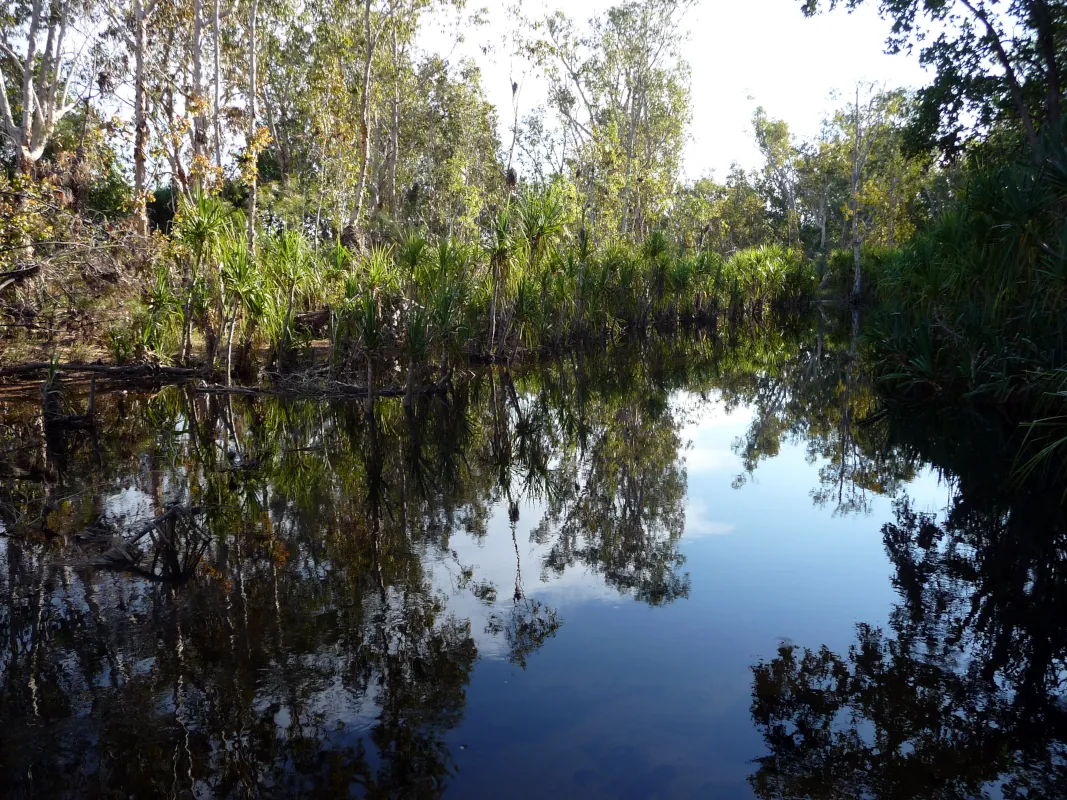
point(1009, 73)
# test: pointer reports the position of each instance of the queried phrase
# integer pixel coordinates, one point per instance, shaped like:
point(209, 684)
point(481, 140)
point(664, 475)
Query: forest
point(297, 194)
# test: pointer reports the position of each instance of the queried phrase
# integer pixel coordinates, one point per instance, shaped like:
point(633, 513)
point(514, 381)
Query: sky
point(743, 53)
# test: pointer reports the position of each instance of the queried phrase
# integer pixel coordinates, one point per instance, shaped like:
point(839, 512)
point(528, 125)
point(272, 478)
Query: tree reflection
point(966, 690)
point(205, 595)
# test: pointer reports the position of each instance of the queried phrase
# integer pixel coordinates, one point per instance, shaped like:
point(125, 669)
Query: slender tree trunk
point(199, 118)
point(253, 154)
point(217, 33)
point(1042, 21)
point(1013, 81)
point(229, 346)
point(364, 113)
point(187, 326)
point(492, 306)
point(394, 133)
point(140, 118)
point(629, 162)
point(288, 317)
point(823, 214)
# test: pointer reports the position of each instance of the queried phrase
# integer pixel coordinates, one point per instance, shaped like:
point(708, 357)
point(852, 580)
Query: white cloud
point(709, 459)
point(699, 525)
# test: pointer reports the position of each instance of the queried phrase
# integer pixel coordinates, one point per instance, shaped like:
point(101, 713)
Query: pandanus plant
point(448, 290)
point(543, 221)
point(501, 250)
point(201, 224)
point(243, 291)
point(165, 313)
point(290, 265)
point(377, 282)
point(657, 255)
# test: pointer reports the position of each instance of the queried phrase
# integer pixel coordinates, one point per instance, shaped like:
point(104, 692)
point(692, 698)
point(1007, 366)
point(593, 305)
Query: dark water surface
point(700, 570)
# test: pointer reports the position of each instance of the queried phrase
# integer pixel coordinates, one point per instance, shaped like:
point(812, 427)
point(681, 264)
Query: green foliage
point(994, 64)
point(977, 302)
point(537, 285)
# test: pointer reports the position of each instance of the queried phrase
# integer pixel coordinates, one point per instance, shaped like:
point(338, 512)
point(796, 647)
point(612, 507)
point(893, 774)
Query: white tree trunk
point(364, 114)
point(217, 32)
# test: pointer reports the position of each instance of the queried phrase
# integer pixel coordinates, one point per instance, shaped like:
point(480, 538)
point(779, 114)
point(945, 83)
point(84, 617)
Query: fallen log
point(312, 321)
point(127, 371)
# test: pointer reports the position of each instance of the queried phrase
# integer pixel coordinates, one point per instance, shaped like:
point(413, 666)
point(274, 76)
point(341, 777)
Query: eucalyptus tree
point(866, 123)
point(44, 72)
point(132, 26)
point(621, 91)
point(448, 149)
point(822, 189)
point(780, 169)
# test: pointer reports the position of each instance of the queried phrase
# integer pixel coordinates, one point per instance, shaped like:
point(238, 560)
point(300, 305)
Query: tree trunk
point(1042, 20)
point(187, 322)
point(140, 118)
point(199, 118)
point(217, 32)
point(394, 134)
point(1013, 81)
point(229, 346)
point(626, 191)
point(364, 114)
point(492, 307)
point(253, 154)
point(823, 214)
point(43, 104)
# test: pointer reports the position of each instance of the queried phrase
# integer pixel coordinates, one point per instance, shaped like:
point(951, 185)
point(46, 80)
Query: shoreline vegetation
point(292, 202)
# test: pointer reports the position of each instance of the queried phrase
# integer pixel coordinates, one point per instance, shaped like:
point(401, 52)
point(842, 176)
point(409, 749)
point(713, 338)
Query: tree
point(621, 92)
point(780, 170)
point(41, 78)
point(993, 61)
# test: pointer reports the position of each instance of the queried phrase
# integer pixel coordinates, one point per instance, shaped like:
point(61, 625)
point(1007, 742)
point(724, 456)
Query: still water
point(711, 570)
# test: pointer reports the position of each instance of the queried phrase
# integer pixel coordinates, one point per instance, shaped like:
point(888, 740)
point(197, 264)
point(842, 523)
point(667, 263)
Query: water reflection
point(219, 596)
point(208, 595)
point(963, 695)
